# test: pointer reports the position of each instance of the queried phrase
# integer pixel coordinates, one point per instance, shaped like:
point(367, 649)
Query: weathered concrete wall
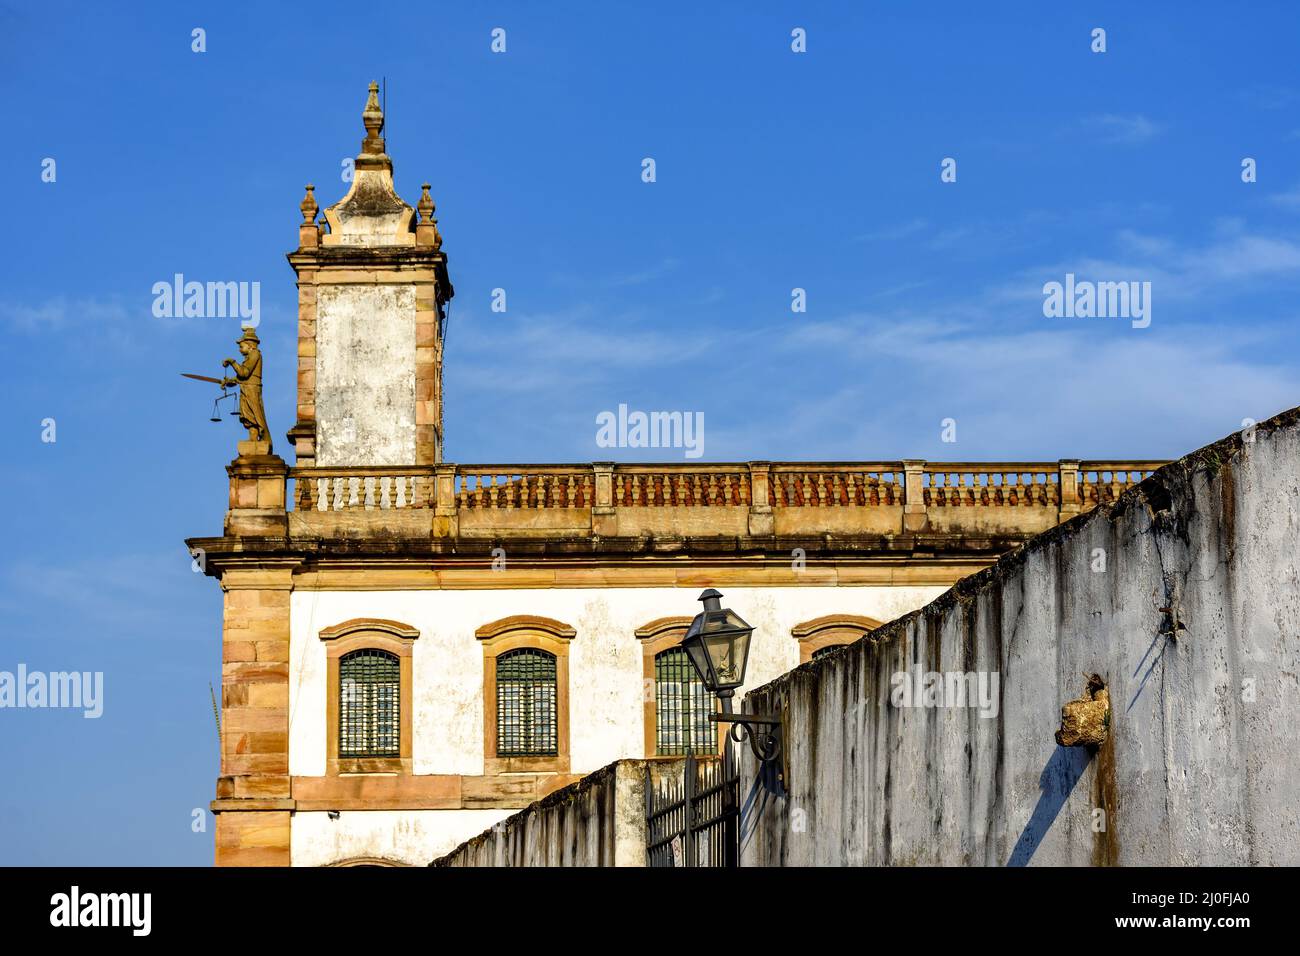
point(598, 821)
point(1201, 766)
point(365, 375)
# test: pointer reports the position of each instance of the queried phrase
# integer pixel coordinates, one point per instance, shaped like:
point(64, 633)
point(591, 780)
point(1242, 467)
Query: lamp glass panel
point(728, 652)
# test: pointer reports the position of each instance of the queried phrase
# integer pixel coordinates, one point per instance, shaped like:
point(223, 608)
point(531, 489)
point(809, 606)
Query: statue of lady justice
point(249, 378)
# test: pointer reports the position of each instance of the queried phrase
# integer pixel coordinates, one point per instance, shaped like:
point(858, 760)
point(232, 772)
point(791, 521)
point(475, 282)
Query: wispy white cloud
point(520, 352)
point(141, 594)
point(621, 280)
point(1117, 129)
point(60, 313)
point(1269, 97)
point(902, 230)
point(1289, 198)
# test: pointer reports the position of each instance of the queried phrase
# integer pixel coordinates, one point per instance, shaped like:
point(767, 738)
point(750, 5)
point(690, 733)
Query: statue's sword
point(215, 381)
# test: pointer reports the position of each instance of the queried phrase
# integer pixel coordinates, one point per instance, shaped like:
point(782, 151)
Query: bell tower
point(372, 295)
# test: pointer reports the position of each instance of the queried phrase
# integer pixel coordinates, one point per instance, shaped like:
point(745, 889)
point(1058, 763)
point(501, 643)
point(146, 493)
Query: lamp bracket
point(745, 719)
point(764, 743)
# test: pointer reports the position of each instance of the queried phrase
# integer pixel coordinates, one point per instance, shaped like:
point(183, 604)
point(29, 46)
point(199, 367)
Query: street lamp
point(717, 643)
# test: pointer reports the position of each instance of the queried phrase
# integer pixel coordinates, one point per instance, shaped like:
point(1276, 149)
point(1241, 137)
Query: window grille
point(369, 704)
point(526, 704)
point(823, 651)
point(682, 707)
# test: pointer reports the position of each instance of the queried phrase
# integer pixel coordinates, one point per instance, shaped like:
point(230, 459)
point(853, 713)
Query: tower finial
point(373, 118)
point(308, 205)
point(427, 228)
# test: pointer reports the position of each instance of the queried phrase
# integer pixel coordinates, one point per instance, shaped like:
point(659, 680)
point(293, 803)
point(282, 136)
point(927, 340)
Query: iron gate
point(694, 822)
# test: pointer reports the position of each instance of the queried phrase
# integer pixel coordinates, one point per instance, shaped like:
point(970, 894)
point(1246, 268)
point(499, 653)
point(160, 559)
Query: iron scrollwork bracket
point(763, 733)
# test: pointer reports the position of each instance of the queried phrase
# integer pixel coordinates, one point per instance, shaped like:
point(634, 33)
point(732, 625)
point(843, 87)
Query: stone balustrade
point(707, 499)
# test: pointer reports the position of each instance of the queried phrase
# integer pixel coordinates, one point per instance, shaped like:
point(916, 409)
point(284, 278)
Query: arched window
point(369, 704)
point(527, 712)
point(676, 705)
point(525, 694)
point(824, 634)
point(682, 707)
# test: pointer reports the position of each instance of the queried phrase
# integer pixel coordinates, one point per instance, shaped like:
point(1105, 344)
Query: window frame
point(527, 706)
point(361, 634)
point(512, 634)
point(375, 715)
point(656, 637)
point(833, 630)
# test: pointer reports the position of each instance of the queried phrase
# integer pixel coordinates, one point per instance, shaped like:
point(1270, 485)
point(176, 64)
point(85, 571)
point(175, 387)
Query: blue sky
point(775, 170)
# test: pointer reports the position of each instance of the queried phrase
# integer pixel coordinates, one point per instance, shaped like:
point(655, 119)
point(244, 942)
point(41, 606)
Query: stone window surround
point(832, 630)
point(368, 634)
point(656, 637)
point(513, 633)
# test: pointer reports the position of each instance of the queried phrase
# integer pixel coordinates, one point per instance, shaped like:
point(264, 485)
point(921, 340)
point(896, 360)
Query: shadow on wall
point(766, 784)
point(1057, 780)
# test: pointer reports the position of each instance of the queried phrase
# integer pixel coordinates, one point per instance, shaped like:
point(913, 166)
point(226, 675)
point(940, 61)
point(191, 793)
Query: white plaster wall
point(409, 836)
point(606, 716)
point(365, 375)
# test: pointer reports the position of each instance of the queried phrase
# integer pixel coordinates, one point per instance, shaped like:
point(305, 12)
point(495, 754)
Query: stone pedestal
point(446, 522)
point(915, 518)
point(604, 521)
point(257, 480)
point(761, 522)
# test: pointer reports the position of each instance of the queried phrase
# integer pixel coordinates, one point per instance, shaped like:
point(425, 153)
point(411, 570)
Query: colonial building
point(413, 649)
